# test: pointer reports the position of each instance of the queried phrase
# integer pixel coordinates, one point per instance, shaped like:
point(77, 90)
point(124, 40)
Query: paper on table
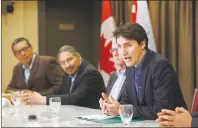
point(104, 119)
point(5, 102)
point(94, 117)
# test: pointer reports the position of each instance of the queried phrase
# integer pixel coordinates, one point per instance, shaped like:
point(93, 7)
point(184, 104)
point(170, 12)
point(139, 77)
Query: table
point(7, 96)
point(66, 117)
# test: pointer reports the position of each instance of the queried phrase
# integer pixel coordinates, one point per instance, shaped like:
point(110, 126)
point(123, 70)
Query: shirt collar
point(33, 58)
point(120, 73)
point(141, 61)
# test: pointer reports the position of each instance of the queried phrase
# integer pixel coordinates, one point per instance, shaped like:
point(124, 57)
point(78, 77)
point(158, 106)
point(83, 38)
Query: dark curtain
point(175, 27)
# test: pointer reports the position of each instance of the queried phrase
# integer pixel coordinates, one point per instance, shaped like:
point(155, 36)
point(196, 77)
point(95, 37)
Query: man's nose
point(22, 52)
point(67, 65)
point(124, 51)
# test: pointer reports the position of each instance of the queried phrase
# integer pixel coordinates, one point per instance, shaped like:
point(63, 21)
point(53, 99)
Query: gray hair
point(67, 48)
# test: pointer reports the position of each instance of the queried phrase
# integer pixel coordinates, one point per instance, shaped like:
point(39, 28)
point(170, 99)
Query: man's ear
point(143, 44)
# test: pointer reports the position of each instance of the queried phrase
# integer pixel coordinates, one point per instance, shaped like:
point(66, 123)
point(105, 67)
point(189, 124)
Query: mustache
point(71, 67)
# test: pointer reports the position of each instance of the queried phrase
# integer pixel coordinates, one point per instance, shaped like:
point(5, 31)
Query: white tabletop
point(66, 117)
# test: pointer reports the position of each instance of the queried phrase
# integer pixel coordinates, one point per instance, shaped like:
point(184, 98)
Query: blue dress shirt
point(138, 86)
point(27, 71)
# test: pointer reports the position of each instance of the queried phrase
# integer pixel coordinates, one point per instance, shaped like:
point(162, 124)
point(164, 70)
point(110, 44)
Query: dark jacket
point(45, 76)
point(86, 90)
point(160, 87)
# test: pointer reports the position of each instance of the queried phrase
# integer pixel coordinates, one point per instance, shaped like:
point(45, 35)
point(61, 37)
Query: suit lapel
point(74, 84)
point(67, 80)
point(21, 75)
point(78, 75)
point(33, 71)
point(65, 85)
point(122, 89)
point(109, 87)
point(144, 71)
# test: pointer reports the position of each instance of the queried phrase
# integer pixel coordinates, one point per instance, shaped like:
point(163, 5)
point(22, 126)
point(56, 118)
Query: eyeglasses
point(25, 49)
point(113, 50)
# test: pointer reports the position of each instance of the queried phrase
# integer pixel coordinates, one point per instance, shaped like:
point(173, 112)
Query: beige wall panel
point(22, 23)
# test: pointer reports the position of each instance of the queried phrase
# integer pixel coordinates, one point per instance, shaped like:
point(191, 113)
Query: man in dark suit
point(151, 82)
point(178, 118)
point(33, 72)
point(115, 86)
point(82, 83)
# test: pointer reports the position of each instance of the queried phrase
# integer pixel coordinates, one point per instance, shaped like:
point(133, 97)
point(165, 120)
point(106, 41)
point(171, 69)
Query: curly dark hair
point(132, 31)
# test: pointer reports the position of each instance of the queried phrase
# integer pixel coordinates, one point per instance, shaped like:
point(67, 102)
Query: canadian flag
point(106, 65)
point(140, 14)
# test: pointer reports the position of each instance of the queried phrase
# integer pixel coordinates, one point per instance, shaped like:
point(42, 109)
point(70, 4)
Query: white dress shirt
point(115, 91)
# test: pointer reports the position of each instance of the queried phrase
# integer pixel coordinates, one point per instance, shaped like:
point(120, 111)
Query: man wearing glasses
point(82, 83)
point(115, 86)
point(33, 72)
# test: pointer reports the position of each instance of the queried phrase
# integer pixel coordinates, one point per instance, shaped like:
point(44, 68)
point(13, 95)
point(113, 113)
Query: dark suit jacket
point(45, 76)
point(194, 119)
point(86, 90)
point(112, 79)
point(160, 87)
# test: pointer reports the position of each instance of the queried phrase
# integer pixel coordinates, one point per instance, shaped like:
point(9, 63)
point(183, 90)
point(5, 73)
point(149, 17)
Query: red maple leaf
point(105, 55)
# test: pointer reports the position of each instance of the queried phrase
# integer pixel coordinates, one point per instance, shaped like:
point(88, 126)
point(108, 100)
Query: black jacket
point(86, 90)
point(160, 87)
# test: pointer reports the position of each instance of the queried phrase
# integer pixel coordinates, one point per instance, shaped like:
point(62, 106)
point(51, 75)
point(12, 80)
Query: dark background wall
point(75, 23)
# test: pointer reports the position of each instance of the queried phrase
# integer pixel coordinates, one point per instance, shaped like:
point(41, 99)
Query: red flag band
point(106, 66)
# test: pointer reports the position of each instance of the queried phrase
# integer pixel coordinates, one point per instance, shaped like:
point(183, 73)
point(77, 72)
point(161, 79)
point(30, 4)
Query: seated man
point(178, 118)
point(33, 72)
point(82, 83)
point(115, 86)
point(151, 82)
